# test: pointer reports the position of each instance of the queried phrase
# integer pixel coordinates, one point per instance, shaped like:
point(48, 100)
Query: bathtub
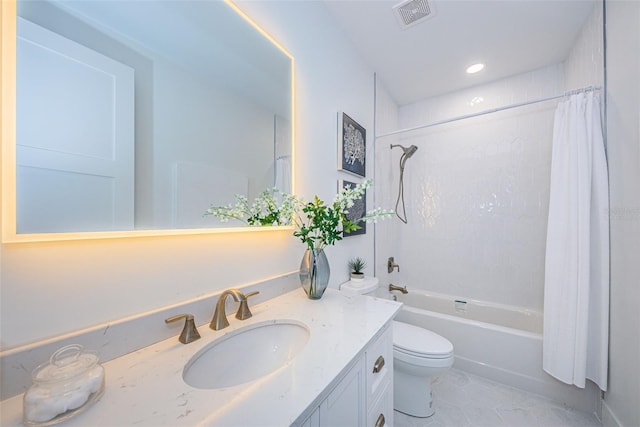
point(499, 342)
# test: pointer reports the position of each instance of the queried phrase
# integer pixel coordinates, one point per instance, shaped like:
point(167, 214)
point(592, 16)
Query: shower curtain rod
point(493, 110)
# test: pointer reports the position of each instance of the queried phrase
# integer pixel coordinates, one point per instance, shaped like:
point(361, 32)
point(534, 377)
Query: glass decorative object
point(314, 273)
point(64, 386)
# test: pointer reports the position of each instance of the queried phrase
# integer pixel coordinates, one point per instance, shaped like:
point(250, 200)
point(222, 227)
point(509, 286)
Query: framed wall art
point(357, 211)
point(352, 145)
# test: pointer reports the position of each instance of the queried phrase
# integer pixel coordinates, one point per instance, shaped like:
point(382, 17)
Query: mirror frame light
point(8, 18)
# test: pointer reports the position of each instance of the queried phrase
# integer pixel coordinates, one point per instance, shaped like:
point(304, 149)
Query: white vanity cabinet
point(345, 404)
point(364, 395)
point(379, 380)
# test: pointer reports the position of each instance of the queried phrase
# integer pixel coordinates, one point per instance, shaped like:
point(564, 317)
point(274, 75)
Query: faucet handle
point(391, 265)
point(189, 331)
point(243, 311)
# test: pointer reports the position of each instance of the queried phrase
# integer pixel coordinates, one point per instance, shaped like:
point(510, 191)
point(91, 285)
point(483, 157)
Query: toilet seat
point(421, 362)
point(414, 342)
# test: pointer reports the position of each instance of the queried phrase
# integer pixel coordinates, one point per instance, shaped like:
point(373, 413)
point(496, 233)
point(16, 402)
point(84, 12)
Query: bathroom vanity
point(341, 375)
point(364, 395)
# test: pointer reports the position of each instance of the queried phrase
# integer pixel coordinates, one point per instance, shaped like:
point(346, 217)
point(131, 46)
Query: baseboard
point(586, 400)
point(609, 419)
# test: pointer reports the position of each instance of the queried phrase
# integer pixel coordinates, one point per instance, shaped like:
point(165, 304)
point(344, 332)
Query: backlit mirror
point(137, 115)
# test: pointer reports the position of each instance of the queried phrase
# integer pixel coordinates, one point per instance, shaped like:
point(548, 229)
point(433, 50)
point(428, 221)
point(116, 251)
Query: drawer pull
point(380, 421)
point(377, 367)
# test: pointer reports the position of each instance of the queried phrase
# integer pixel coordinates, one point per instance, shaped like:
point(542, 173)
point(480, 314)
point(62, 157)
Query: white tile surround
point(585, 64)
point(466, 400)
point(477, 192)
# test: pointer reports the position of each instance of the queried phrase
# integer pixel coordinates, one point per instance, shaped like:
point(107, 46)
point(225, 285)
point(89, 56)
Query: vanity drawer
point(379, 365)
point(381, 413)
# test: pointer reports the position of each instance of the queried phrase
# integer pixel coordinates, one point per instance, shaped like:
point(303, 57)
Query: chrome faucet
point(393, 287)
point(219, 320)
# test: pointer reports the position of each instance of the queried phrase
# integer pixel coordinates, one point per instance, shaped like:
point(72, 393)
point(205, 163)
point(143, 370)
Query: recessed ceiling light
point(475, 68)
point(476, 100)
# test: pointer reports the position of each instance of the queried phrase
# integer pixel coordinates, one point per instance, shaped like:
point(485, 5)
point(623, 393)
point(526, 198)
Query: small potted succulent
point(356, 266)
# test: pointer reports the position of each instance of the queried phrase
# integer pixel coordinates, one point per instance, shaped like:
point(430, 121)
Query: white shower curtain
point(576, 292)
point(283, 174)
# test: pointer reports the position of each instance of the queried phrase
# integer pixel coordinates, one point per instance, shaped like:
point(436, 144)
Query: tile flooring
point(465, 400)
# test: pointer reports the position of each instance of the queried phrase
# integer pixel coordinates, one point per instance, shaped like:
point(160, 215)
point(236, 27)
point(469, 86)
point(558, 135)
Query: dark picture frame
point(352, 146)
point(357, 211)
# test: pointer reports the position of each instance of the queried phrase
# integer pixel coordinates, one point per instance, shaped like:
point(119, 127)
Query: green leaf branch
point(317, 223)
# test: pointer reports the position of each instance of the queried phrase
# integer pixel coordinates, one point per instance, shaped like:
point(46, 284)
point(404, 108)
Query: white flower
point(317, 224)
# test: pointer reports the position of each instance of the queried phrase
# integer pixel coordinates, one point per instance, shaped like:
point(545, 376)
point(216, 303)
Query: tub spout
point(393, 287)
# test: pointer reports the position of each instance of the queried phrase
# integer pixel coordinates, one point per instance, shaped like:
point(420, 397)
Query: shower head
point(407, 151)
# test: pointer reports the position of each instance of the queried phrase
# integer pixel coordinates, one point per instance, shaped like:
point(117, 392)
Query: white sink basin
point(246, 354)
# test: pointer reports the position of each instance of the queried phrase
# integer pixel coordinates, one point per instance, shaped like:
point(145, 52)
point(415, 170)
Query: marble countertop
point(146, 387)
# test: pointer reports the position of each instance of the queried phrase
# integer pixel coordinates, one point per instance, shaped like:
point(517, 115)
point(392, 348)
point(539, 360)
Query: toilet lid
point(420, 342)
point(362, 287)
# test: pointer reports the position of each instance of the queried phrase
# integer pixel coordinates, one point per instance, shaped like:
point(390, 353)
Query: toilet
point(419, 356)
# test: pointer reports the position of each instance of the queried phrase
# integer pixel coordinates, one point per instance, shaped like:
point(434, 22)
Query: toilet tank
point(366, 286)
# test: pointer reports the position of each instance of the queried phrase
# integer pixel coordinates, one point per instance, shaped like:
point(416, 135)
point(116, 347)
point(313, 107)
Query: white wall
point(54, 288)
point(323, 88)
point(386, 243)
point(622, 401)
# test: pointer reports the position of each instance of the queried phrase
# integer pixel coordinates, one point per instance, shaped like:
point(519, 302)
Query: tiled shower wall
point(585, 64)
point(477, 189)
point(477, 192)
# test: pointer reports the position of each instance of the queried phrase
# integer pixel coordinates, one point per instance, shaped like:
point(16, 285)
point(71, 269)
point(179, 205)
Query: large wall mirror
point(138, 115)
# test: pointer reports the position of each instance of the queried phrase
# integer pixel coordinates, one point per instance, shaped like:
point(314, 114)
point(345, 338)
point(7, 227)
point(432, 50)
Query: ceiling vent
point(412, 12)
